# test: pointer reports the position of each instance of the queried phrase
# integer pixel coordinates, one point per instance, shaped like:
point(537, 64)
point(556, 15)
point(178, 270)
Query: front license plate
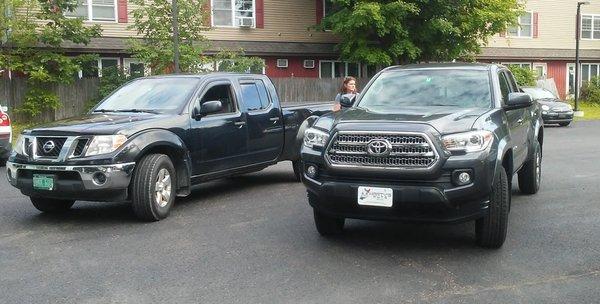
point(43, 182)
point(373, 196)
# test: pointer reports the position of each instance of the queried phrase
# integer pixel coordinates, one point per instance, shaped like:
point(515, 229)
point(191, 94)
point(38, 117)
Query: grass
point(591, 111)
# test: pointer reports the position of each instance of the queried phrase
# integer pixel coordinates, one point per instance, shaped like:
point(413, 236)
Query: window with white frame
point(517, 64)
point(524, 27)
point(336, 69)
point(95, 10)
point(233, 13)
point(589, 71)
point(590, 27)
point(134, 67)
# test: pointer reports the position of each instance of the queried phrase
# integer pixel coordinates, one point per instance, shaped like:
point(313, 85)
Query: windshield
point(538, 93)
point(428, 87)
point(150, 95)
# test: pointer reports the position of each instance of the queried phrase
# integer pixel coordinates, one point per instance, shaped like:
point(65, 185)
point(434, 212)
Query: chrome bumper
point(118, 176)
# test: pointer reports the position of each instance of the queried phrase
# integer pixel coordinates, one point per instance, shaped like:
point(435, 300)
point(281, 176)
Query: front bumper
point(433, 198)
point(554, 117)
point(74, 182)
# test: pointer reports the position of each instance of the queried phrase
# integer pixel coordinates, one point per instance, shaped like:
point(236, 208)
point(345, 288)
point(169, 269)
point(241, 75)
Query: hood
point(445, 120)
point(97, 124)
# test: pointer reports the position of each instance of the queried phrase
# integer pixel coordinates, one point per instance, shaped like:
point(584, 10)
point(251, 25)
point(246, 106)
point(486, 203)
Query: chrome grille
point(80, 147)
point(403, 150)
point(57, 144)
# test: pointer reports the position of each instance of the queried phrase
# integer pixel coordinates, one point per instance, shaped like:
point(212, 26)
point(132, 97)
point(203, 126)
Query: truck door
point(265, 126)
point(219, 139)
point(517, 122)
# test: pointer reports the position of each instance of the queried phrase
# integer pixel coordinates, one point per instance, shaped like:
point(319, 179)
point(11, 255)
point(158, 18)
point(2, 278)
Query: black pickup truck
point(154, 138)
point(429, 143)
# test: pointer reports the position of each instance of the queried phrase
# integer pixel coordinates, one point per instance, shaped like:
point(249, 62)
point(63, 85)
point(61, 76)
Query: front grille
point(410, 151)
point(80, 147)
point(49, 147)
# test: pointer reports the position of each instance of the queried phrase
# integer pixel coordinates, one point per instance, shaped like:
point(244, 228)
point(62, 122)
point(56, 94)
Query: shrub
point(525, 77)
point(112, 78)
point(590, 91)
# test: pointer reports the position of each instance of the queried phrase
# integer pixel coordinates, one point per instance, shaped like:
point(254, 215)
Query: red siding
point(558, 71)
point(260, 13)
point(122, 11)
point(319, 6)
point(295, 67)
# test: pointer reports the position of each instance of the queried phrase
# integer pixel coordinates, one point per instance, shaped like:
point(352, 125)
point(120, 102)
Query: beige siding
point(285, 21)
point(556, 26)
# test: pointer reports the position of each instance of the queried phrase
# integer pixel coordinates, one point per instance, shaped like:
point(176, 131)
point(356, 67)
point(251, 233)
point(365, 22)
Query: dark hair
point(345, 82)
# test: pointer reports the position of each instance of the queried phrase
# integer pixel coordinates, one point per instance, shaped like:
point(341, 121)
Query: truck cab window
point(253, 98)
point(222, 93)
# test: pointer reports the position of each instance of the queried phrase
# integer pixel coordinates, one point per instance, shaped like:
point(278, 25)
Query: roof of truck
point(449, 65)
point(202, 75)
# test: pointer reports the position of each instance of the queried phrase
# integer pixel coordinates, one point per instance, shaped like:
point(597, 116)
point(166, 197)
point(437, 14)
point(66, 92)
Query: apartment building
point(545, 42)
point(278, 31)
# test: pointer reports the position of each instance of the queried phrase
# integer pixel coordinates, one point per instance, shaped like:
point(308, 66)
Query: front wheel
point(490, 231)
point(326, 225)
point(153, 189)
point(530, 175)
point(50, 205)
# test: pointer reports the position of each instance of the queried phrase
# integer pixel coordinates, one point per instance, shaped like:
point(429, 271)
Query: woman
point(348, 89)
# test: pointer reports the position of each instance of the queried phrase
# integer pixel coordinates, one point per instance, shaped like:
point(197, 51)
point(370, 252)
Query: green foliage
point(48, 66)
point(402, 31)
point(153, 20)
point(112, 78)
point(231, 61)
point(525, 77)
point(590, 91)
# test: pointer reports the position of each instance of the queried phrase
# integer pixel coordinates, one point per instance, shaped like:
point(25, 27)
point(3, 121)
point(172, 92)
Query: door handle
point(274, 119)
point(240, 124)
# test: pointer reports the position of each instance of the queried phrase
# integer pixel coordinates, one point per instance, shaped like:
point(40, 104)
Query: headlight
point(105, 144)
point(545, 108)
point(468, 142)
point(19, 146)
point(315, 138)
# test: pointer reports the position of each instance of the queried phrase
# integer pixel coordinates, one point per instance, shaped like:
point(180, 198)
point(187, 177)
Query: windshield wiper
point(138, 111)
point(103, 111)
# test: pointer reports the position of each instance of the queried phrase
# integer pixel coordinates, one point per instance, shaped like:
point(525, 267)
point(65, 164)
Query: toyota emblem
point(379, 147)
point(48, 146)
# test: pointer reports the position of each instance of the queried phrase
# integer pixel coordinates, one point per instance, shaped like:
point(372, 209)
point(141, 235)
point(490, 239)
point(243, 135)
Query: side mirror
point(208, 107)
point(347, 100)
point(518, 101)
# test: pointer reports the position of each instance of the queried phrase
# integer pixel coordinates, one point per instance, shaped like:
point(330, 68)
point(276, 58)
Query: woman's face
point(351, 86)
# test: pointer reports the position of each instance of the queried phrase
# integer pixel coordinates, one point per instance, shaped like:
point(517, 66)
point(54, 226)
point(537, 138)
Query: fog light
point(464, 178)
point(99, 179)
point(311, 171)
point(544, 112)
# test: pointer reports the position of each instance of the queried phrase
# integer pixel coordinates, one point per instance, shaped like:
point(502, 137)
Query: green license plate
point(43, 182)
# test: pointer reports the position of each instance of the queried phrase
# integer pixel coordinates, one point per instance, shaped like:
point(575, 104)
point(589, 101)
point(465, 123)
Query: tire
point(326, 225)
point(564, 124)
point(145, 192)
point(530, 175)
point(297, 165)
point(50, 205)
point(490, 231)
point(3, 162)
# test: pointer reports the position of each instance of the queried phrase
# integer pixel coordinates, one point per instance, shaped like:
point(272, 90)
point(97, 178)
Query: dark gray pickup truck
point(429, 143)
point(155, 137)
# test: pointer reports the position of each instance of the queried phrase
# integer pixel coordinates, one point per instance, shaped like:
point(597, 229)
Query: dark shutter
point(535, 25)
point(122, 11)
point(319, 7)
point(260, 13)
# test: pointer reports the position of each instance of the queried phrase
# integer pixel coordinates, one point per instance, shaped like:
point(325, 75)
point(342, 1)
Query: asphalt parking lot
point(251, 239)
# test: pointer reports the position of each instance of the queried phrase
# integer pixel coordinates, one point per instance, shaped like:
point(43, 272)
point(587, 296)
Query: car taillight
point(4, 120)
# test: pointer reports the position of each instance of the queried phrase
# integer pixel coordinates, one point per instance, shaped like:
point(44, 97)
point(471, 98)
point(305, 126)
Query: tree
point(232, 61)
point(33, 48)
point(403, 31)
point(153, 20)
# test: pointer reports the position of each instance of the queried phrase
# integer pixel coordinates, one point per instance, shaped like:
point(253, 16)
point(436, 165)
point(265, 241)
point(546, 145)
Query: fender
point(160, 141)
